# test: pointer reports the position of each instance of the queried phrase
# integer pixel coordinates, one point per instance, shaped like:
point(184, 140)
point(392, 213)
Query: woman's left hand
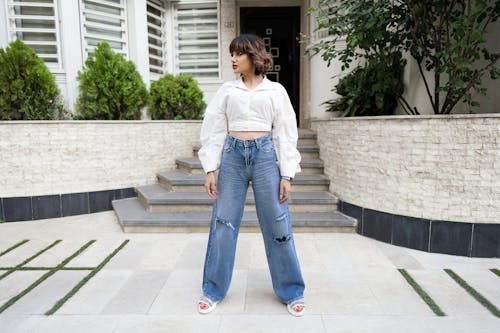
point(285, 190)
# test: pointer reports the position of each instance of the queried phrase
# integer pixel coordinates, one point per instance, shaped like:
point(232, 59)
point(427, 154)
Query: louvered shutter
point(157, 37)
point(103, 20)
point(197, 38)
point(36, 23)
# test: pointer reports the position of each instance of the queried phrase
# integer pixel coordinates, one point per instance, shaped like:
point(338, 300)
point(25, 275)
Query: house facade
point(189, 36)
point(163, 36)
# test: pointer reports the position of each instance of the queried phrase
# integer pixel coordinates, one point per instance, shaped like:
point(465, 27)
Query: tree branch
point(406, 106)
point(463, 91)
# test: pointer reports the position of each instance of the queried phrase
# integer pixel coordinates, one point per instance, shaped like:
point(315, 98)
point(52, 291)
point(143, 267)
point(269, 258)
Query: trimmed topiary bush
point(176, 97)
point(28, 90)
point(110, 87)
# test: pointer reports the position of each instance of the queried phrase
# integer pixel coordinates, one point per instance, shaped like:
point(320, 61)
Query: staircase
point(178, 202)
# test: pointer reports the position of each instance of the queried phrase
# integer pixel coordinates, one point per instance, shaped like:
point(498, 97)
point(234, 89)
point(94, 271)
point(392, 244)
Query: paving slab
point(193, 254)
point(44, 296)
point(16, 282)
point(65, 324)
point(23, 252)
point(153, 283)
point(260, 297)
point(57, 254)
point(138, 293)
point(93, 297)
point(235, 300)
point(270, 323)
point(451, 297)
point(176, 301)
point(163, 254)
point(377, 324)
point(95, 253)
point(168, 323)
point(462, 324)
point(11, 323)
point(393, 293)
point(339, 293)
point(131, 256)
point(484, 281)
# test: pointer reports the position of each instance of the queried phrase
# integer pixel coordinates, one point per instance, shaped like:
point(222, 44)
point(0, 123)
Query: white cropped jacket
point(267, 108)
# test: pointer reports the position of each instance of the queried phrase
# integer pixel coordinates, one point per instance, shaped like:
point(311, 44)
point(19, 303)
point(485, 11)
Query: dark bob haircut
point(256, 50)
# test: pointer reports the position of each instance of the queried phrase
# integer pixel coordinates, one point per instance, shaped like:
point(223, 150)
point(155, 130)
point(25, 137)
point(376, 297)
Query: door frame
point(304, 94)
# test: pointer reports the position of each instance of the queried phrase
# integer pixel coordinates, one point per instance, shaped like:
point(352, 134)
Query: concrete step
point(156, 198)
point(180, 181)
point(134, 218)
point(308, 151)
point(193, 165)
point(307, 137)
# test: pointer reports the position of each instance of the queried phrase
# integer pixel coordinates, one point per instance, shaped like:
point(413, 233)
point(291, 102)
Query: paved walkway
point(151, 283)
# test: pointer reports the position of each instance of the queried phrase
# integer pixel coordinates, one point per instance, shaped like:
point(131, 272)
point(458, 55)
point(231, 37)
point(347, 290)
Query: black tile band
point(60, 205)
point(457, 238)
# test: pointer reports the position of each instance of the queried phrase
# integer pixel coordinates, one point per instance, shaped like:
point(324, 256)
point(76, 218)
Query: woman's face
point(242, 64)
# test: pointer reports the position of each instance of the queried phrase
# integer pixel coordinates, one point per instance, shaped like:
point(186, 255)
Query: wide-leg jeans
point(245, 161)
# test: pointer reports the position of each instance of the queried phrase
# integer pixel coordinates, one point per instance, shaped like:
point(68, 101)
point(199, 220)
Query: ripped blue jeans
point(244, 161)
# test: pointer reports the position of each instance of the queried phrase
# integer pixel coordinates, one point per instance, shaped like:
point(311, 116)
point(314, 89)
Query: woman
point(248, 126)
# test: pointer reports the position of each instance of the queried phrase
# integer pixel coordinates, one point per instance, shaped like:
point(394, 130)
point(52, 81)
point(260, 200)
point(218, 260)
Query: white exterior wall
point(58, 157)
point(71, 50)
point(438, 167)
point(316, 77)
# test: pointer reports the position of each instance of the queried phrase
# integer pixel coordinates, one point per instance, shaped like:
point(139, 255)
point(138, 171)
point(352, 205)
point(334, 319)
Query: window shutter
point(197, 38)
point(103, 20)
point(156, 37)
point(36, 23)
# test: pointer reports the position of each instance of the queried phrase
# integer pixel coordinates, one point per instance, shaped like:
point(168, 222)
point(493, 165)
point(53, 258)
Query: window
point(156, 37)
point(197, 38)
point(35, 22)
point(103, 20)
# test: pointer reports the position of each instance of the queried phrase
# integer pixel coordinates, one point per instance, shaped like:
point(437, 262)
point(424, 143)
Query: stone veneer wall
point(54, 157)
point(426, 182)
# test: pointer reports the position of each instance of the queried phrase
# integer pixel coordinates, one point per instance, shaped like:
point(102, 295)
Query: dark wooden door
point(279, 27)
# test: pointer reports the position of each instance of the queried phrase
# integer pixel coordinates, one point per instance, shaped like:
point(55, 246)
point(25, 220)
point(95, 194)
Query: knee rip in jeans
point(282, 238)
point(226, 223)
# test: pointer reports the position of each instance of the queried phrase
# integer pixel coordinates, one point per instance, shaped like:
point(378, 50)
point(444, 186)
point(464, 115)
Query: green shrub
point(176, 97)
point(110, 87)
point(28, 90)
point(370, 90)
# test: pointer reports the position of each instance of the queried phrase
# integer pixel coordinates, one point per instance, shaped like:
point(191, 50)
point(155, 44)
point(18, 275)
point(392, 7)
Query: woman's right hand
point(210, 186)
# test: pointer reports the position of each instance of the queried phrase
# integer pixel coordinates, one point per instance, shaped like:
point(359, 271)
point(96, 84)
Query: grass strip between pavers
point(495, 271)
point(49, 268)
point(15, 298)
point(80, 284)
point(422, 293)
point(473, 292)
point(28, 268)
point(15, 246)
point(17, 267)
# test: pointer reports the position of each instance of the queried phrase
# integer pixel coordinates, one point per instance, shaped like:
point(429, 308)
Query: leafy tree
point(28, 90)
point(446, 37)
point(373, 41)
point(176, 97)
point(370, 90)
point(110, 87)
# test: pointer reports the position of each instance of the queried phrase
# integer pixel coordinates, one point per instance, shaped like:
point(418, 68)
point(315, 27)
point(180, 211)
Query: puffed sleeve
point(213, 131)
point(285, 135)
